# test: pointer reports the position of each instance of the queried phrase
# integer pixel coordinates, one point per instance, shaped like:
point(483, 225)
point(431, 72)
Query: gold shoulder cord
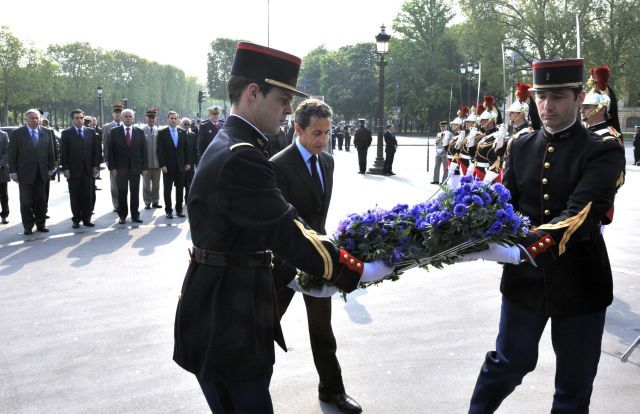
point(312, 236)
point(572, 224)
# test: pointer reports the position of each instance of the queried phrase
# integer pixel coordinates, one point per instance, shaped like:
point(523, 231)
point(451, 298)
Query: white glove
point(500, 136)
point(460, 139)
point(472, 137)
point(323, 292)
point(452, 168)
point(495, 253)
point(489, 176)
point(375, 271)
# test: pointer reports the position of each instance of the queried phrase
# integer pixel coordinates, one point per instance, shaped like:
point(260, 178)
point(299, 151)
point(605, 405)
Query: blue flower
point(477, 200)
point(460, 210)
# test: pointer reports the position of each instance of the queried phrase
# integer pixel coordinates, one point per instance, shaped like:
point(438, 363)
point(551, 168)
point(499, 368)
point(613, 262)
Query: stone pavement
point(86, 316)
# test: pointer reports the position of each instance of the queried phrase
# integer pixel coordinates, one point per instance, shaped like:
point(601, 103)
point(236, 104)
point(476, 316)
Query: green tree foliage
point(219, 61)
point(65, 77)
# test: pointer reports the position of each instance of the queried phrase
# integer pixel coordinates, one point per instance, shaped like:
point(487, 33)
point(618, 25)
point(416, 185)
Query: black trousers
point(388, 162)
point(188, 179)
point(636, 155)
point(323, 342)
point(126, 181)
point(80, 195)
point(169, 180)
point(250, 396)
point(4, 200)
point(362, 159)
point(347, 142)
point(33, 203)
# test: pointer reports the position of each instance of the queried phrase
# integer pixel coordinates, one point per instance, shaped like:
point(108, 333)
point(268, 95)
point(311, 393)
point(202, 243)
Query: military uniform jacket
point(362, 138)
point(486, 156)
point(564, 182)
point(226, 321)
point(206, 133)
point(151, 136)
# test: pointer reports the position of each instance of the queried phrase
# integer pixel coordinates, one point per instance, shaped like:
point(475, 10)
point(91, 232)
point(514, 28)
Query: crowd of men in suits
point(31, 154)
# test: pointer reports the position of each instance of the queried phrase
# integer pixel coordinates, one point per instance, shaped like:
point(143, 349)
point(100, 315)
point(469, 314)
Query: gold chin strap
point(594, 112)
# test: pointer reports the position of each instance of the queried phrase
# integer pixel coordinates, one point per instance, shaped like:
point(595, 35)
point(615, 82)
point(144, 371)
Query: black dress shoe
point(28, 232)
point(169, 215)
point(136, 220)
point(42, 229)
point(147, 207)
point(5, 221)
point(75, 225)
point(156, 205)
point(434, 182)
point(180, 214)
point(47, 216)
point(344, 403)
point(122, 221)
point(89, 224)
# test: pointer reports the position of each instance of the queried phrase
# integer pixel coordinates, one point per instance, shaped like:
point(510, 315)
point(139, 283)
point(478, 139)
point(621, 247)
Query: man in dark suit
point(31, 163)
point(208, 130)
point(173, 159)
point(127, 159)
point(4, 176)
point(192, 147)
point(390, 146)
point(305, 177)
point(80, 159)
point(362, 140)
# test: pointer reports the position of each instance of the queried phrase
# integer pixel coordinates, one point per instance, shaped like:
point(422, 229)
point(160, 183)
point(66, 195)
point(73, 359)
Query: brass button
point(352, 261)
point(545, 181)
point(547, 165)
point(359, 265)
point(547, 240)
point(551, 149)
point(546, 196)
point(533, 249)
point(541, 245)
point(346, 256)
point(547, 212)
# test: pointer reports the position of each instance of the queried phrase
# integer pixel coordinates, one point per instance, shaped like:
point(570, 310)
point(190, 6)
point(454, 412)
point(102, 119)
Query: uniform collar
point(522, 126)
point(234, 120)
point(564, 134)
point(598, 126)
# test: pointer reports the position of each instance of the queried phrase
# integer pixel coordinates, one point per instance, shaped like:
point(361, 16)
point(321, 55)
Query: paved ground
point(86, 316)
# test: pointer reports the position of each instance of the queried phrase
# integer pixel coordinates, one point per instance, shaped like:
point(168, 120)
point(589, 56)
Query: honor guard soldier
point(453, 149)
point(564, 178)
point(208, 130)
point(490, 148)
point(467, 146)
point(226, 319)
point(442, 144)
point(596, 113)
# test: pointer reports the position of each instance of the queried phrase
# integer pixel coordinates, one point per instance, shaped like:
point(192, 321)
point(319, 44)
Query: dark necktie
point(314, 173)
point(127, 137)
point(79, 132)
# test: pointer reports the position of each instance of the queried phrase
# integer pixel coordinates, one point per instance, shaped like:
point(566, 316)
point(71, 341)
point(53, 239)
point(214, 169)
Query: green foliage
point(219, 61)
point(65, 77)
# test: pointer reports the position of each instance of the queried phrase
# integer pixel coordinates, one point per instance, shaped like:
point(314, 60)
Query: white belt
point(466, 157)
point(482, 164)
point(450, 156)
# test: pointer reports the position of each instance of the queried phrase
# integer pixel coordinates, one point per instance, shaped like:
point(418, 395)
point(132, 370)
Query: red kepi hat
point(263, 64)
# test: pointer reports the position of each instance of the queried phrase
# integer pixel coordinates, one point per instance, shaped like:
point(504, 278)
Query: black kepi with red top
point(264, 64)
point(557, 74)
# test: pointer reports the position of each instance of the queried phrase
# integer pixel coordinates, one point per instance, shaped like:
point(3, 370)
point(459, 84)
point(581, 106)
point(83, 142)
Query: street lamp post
point(468, 70)
point(382, 47)
point(99, 92)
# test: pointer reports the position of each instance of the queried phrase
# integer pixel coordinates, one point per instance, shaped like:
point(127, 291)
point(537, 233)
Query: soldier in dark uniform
point(226, 321)
point(362, 140)
point(390, 146)
point(347, 138)
point(208, 130)
point(339, 132)
point(467, 148)
point(489, 148)
point(564, 178)
point(636, 146)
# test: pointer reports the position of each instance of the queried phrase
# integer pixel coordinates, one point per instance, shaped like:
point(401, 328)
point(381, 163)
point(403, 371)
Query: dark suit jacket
point(120, 156)
point(362, 138)
point(206, 133)
point(79, 155)
point(170, 156)
point(24, 157)
point(4, 157)
point(298, 189)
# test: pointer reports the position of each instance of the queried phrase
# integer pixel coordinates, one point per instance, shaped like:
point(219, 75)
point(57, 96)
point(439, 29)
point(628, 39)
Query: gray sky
point(180, 34)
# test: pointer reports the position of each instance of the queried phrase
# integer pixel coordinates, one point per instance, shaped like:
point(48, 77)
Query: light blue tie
point(174, 136)
point(34, 136)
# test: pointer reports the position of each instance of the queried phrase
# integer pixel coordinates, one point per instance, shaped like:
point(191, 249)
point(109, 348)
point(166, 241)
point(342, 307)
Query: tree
point(219, 61)
point(11, 55)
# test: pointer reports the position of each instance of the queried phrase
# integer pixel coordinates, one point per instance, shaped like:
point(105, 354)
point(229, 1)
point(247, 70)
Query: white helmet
point(457, 121)
point(518, 106)
point(597, 98)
